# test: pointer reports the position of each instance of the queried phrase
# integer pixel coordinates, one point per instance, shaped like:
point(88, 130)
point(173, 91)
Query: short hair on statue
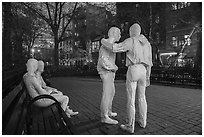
point(112, 31)
point(32, 65)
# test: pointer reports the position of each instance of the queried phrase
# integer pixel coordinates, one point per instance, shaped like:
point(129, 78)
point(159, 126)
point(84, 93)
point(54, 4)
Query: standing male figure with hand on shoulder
point(106, 68)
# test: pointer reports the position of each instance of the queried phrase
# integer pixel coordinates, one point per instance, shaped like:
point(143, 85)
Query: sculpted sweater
point(106, 60)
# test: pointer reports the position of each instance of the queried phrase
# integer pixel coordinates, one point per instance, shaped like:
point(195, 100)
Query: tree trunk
point(6, 41)
point(18, 57)
point(150, 25)
point(56, 52)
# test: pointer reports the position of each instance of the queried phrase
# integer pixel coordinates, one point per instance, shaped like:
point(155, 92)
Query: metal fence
point(177, 76)
point(165, 76)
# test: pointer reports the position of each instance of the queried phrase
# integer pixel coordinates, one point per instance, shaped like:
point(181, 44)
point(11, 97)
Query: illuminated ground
point(171, 110)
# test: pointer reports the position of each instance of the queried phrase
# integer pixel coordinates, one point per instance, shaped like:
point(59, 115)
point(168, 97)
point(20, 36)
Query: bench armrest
point(43, 96)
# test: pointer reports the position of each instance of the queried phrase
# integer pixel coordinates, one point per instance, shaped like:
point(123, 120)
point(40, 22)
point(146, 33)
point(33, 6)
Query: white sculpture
point(139, 63)
point(35, 89)
point(106, 68)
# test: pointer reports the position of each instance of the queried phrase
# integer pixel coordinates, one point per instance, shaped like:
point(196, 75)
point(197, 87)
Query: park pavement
point(171, 110)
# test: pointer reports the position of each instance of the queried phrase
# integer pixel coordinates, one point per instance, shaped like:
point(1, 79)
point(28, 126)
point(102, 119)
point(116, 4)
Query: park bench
point(21, 116)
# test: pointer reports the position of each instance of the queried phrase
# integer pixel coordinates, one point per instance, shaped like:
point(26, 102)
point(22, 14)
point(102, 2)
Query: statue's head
point(32, 65)
point(135, 30)
point(40, 66)
point(114, 32)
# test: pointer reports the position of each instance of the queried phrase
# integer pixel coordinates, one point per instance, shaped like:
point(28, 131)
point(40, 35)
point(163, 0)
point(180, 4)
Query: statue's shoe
point(142, 124)
point(108, 120)
point(127, 128)
point(70, 113)
point(112, 114)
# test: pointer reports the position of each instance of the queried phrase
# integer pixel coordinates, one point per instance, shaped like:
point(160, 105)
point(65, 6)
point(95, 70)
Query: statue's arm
point(114, 47)
point(106, 44)
point(43, 83)
point(39, 89)
point(126, 45)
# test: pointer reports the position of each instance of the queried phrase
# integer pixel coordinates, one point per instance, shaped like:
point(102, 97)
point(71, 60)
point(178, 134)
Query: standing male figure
point(106, 68)
point(139, 63)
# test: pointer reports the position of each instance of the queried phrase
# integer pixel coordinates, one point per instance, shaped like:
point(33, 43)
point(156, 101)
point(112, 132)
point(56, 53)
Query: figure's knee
point(67, 98)
point(131, 103)
point(60, 93)
point(142, 99)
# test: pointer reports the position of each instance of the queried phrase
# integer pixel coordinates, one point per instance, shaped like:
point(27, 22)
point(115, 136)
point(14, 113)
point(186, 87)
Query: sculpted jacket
point(106, 60)
point(138, 50)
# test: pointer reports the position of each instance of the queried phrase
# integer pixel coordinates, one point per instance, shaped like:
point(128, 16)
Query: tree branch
point(48, 9)
point(64, 38)
point(55, 16)
point(38, 13)
point(65, 15)
point(63, 3)
point(68, 21)
point(60, 12)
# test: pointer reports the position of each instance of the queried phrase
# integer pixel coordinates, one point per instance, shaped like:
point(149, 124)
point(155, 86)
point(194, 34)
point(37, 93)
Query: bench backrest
point(14, 111)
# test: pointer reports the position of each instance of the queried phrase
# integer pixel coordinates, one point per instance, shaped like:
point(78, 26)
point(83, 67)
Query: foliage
point(26, 25)
point(34, 22)
point(58, 16)
point(21, 28)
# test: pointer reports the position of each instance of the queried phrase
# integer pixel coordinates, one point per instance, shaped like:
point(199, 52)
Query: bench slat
point(22, 120)
point(10, 97)
point(43, 121)
point(57, 123)
point(69, 125)
point(41, 128)
point(47, 125)
point(33, 127)
point(53, 125)
point(13, 122)
point(63, 128)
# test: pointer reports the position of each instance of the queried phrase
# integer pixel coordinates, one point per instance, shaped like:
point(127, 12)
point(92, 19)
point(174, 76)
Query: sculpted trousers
point(136, 81)
point(108, 93)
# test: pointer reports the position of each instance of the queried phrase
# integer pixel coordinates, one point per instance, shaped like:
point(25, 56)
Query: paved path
point(171, 110)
